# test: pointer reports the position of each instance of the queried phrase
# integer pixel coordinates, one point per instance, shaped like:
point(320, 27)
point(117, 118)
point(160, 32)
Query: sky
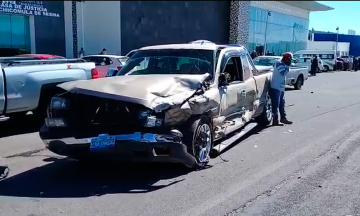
point(345, 15)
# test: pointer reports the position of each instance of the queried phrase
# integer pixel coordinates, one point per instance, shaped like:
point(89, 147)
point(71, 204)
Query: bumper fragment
point(134, 147)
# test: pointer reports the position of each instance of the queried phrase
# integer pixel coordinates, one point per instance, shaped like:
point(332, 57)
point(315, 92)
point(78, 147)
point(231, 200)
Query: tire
point(299, 83)
point(17, 116)
point(326, 68)
point(191, 134)
point(266, 116)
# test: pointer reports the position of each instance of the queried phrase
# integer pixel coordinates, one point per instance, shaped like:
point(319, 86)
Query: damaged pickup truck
point(169, 103)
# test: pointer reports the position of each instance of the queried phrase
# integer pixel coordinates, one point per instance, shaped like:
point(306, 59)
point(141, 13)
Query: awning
point(308, 5)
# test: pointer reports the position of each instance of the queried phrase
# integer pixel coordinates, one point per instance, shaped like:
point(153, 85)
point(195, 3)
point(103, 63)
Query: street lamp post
point(337, 40)
point(266, 25)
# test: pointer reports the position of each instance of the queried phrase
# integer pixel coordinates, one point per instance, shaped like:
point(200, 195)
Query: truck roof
point(205, 46)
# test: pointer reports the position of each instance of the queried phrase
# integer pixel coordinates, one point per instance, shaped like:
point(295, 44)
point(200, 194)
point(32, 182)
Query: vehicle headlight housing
point(149, 120)
point(59, 103)
point(161, 104)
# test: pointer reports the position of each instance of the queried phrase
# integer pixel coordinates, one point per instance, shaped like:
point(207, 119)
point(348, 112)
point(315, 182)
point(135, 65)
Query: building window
point(283, 32)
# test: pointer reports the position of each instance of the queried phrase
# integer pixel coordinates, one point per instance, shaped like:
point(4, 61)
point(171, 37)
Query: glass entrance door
point(14, 34)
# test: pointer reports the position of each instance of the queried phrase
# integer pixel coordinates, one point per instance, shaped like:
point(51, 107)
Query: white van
point(328, 57)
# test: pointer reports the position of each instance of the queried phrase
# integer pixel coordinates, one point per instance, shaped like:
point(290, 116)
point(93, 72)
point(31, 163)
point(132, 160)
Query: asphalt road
point(308, 168)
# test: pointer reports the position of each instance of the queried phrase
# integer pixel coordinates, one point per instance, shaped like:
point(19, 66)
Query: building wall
point(342, 47)
point(277, 27)
point(354, 41)
point(98, 26)
point(145, 23)
point(239, 22)
point(49, 31)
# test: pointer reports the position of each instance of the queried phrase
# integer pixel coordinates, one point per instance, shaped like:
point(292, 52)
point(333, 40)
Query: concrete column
point(239, 22)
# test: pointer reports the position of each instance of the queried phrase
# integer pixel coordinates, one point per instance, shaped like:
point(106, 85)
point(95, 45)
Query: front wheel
point(199, 139)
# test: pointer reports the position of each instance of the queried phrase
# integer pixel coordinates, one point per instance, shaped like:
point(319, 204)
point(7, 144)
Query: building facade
point(32, 27)
point(353, 40)
point(63, 27)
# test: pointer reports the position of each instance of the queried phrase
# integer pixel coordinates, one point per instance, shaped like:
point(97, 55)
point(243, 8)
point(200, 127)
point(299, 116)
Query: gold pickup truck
point(169, 103)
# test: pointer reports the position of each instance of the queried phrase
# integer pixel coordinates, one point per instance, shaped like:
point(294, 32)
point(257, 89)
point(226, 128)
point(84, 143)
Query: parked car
point(170, 105)
point(14, 58)
point(42, 56)
point(339, 64)
point(29, 85)
point(104, 64)
point(296, 76)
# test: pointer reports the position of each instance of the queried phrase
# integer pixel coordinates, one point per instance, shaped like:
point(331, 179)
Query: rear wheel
point(326, 68)
point(299, 82)
point(266, 116)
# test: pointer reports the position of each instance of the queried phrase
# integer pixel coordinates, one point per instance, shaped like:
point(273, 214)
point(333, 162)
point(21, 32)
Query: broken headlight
point(56, 112)
point(149, 120)
point(59, 103)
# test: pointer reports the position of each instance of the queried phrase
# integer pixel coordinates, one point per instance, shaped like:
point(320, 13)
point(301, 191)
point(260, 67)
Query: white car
point(296, 76)
point(306, 61)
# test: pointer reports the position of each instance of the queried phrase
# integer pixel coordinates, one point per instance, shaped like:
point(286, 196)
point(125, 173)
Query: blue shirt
point(279, 75)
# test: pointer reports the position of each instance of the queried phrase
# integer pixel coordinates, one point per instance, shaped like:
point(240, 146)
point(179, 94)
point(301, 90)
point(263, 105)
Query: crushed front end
point(81, 126)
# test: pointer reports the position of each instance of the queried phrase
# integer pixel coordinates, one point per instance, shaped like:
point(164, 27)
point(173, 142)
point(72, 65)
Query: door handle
point(243, 93)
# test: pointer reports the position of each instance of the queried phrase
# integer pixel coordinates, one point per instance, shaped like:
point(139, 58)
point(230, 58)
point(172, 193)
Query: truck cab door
point(2, 92)
point(233, 91)
point(250, 82)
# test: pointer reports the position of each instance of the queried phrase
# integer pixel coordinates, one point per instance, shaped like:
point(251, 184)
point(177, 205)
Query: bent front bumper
point(135, 147)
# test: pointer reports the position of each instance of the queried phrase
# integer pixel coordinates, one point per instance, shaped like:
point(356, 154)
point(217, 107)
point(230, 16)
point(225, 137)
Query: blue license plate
point(102, 141)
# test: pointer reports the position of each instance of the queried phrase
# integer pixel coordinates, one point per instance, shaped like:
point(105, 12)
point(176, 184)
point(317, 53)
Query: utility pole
point(266, 25)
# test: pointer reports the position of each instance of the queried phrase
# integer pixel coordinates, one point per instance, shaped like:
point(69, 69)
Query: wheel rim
point(203, 144)
point(268, 109)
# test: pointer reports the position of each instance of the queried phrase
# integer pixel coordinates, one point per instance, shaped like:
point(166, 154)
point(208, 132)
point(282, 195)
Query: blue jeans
point(277, 101)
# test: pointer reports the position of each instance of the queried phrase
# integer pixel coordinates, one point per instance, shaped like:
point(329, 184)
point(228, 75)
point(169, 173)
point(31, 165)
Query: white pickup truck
point(296, 76)
point(29, 85)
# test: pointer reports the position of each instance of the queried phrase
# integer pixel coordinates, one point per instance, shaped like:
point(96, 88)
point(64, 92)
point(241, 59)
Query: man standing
point(277, 89)
point(314, 65)
point(253, 54)
point(81, 53)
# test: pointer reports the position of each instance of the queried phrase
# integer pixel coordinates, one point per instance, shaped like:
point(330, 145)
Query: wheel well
point(47, 91)
point(301, 75)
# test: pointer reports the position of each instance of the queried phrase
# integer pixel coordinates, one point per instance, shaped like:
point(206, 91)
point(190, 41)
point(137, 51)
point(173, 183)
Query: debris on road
point(255, 146)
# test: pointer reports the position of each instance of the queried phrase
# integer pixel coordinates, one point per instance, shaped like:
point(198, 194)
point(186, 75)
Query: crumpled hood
point(140, 89)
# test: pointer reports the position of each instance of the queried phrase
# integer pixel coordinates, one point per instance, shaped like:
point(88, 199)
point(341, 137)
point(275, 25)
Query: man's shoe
point(285, 121)
point(276, 123)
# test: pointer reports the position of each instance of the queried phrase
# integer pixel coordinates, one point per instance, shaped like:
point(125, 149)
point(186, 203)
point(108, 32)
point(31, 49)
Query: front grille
point(92, 116)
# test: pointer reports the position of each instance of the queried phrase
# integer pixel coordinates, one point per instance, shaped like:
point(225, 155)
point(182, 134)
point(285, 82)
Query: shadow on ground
point(65, 178)
point(12, 128)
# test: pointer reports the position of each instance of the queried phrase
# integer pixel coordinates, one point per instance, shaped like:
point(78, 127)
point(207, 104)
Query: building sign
point(35, 8)
point(279, 7)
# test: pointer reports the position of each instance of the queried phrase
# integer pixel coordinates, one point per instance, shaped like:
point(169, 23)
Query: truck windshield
point(169, 61)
